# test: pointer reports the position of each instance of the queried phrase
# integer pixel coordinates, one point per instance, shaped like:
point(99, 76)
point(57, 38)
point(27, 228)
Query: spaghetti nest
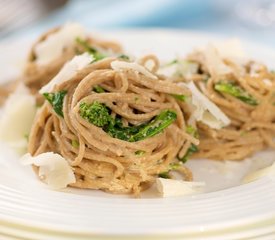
point(246, 95)
point(118, 129)
point(36, 75)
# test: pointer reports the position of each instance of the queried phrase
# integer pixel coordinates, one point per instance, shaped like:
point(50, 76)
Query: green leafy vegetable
point(56, 100)
point(139, 152)
point(75, 143)
point(123, 57)
point(162, 121)
point(235, 91)
point(143, 131)
point(172, 62)
point(192, 130)
point(98, 89)
point(243, 132)
point(97, 55)
point(181, 98)
point(164, 175)
point(38, 105)
point(98, 114)
point(26, 136)
point(116, 130)
point(192, 149)
point(95, 113)
point(172, 166)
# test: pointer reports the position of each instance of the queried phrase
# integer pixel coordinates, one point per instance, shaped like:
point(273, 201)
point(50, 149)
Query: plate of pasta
point(145, 133)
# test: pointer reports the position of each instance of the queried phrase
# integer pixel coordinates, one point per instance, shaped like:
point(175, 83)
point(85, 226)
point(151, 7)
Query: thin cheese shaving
point(216, 53)
point(267, 82)
point(53, 169)
point(173, 188)
point(121, 65)
point(53, 46)
point(179, 68)
point(187, 69)
point(214, 61)
point(168, 70)
point(17, 117)
point(231, 49)
point(68, 71)
point(205, 110)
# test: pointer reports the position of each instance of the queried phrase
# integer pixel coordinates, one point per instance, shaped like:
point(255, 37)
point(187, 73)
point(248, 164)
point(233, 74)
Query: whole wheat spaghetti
point(37, 75)
point(117, 153)
point(245, 93)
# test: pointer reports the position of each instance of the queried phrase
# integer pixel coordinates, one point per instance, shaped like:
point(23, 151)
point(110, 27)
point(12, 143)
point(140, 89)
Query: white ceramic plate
point(29, 209)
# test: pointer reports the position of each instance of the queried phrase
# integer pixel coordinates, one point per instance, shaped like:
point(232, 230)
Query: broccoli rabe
point(123, 57)
point(157, 125)
point(172, 62)
point(181, 98)
point(164, 175)
point(116, 130)
point(139, 153)
point(97, 55)
point(192, 149)
point(192, 130)
point(95, 113)
point(75, 143)
point(98, 89)
point(99, 115)
point(235, 91)
point(56, 100)
point(172, 166)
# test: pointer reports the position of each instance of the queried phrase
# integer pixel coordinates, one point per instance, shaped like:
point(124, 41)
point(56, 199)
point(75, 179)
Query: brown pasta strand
point(252, 127)
point(101, 161)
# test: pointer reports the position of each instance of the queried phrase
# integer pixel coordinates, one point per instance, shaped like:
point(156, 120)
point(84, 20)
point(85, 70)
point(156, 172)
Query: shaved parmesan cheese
point(53, 169)
point(120, 65)
point(267, 82)
point(205, 110)
point(17, 117)
point(255, 68)
point(268, 171)
point(68, 71)
point(180, 68)
point(168, 70)
point(214, 61)
point(173, 188)
point(231, 48)
point(53, 46)
point(215, 53)
point(187, 69)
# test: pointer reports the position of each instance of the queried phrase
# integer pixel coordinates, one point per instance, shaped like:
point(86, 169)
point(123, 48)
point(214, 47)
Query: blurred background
point(249, 19)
